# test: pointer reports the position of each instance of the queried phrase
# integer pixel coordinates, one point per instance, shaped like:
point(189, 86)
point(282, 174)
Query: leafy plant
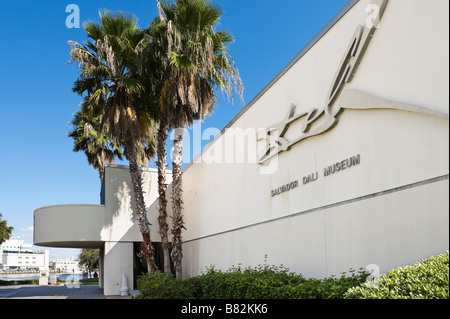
point(427, 279)
point(261, 282)
point(161, 286)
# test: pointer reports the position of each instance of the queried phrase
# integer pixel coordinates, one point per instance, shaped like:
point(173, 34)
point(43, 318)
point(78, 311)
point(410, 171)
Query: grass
point(89, 281)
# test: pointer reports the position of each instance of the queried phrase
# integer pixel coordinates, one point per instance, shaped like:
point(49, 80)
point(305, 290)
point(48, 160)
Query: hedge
point(161, 286)
point(427, 279)
point(262, 282)
point(19, 282)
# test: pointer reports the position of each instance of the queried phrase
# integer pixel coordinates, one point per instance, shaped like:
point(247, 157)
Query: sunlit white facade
point(340, 162)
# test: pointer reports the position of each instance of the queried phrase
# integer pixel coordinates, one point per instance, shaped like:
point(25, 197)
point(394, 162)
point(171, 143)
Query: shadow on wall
point(121, 223)
point(120, 218)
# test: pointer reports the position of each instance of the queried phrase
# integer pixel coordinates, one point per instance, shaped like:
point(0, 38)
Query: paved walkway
point(51, 292)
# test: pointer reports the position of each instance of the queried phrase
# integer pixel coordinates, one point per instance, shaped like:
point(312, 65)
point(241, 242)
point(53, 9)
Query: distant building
point(17, 255)
point(15, 245)
point(66, 265)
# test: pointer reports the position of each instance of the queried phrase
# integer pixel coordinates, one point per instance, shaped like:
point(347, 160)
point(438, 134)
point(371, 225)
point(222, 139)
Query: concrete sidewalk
point(51, 292)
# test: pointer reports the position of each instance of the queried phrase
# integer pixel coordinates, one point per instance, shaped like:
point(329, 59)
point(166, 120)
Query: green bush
point(262, 282)
point(269, 282)
point(427, 279)
point(237, 283)
point(19, 282)
point(161, 286)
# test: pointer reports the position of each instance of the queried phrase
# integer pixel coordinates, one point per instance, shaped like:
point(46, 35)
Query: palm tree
point(108, 64)
point(86, 132)
point(198, 65)
point(153, 66)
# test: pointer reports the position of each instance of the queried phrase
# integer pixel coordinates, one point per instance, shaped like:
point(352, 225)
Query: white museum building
point(341, 161)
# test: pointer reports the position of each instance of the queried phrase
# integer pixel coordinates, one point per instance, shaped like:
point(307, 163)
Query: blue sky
point(37, 164)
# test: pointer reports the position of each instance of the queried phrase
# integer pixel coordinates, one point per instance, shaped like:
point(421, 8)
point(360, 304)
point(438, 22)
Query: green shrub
point(262, 282)
point(269, 282)
point(249, 283)
point(427, 279)
point(161, 286)
point(19, 282)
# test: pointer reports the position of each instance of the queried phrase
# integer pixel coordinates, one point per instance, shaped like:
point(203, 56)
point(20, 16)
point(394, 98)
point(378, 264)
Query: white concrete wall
point(121, 228)
point(387, 230)
point(408, 59)
point(389, 210)
point(74, 226)
point(118, 260)
point(120, 222)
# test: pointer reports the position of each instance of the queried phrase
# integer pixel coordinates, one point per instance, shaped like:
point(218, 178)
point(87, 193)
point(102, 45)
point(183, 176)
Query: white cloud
point(28, 229)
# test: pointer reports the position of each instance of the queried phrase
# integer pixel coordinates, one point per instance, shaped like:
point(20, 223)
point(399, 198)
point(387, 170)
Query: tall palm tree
point(198, 65)
point(86, 132)
point(154, 71)
point(152, 63)
point(108, 63)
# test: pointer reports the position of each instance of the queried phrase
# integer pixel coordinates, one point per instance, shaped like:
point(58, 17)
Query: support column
point(118, 260)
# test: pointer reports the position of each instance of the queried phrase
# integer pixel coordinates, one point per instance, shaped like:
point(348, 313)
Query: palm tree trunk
point(177, 219)
point(162, 187)
point(136, 180)
point(101, 173)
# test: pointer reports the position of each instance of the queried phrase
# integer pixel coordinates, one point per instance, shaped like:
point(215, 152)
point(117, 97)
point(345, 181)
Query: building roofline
point(147, 169)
